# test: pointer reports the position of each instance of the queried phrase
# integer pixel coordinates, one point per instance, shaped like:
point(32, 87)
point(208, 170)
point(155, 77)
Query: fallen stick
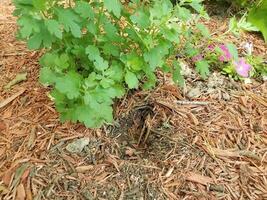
point(14, 54)
point(10, 99)
point(201, 103)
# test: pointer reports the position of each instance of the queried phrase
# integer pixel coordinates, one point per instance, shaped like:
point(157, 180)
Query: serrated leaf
point(203, 29)
point(112, 32)
point(40, 40)
point(113, 6)
point(62, 61)
point(131, 80)
point(155, 56)
point(92, 28)
point(92, 52)
point(28, 26)
point(84, 10)
point(150, 82)
point(47, 76)
point(70, 21)
point(160, 9)
point(116, 91)
point(69, 85)
point(202, 68)
point(171, 35)
point(111, 49)
point(54, 28)
point(182, 13)
point(141, 18)
point(133, 61)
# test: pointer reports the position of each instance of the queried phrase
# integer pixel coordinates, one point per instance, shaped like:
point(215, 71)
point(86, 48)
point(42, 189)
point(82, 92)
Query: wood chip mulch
point(161, 146)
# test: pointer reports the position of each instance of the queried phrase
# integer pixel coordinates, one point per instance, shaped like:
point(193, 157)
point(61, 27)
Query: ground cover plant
point(205, 140)
point(97, 50)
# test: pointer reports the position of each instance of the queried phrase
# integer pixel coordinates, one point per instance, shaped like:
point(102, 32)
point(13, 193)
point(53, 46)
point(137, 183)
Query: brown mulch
point(161, 146)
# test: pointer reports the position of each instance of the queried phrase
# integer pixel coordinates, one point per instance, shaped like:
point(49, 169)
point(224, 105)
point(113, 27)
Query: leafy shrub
point(97, 50)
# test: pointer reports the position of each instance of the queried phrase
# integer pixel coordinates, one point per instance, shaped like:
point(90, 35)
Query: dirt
point(164, 144)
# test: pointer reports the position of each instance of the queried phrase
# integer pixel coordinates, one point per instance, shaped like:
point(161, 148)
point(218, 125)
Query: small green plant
point(97, 50)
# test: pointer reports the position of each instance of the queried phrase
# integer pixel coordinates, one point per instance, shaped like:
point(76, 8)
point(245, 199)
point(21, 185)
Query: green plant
point(97, 50)
point(258, 17)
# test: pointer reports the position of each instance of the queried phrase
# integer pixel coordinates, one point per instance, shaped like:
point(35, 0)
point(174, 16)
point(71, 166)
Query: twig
point(10, 99)
point(14, 54)
point(201, 103)
point(7, 22)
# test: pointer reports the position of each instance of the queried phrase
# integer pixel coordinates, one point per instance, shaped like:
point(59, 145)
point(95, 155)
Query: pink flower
point(226, 55)
point(242, 68)
point(211, 47)
point(197, 58)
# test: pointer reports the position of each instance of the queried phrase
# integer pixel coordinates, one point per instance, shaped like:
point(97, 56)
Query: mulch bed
point(162, 145)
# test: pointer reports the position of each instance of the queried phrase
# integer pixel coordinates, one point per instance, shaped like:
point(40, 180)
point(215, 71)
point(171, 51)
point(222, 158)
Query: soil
point(206, 141)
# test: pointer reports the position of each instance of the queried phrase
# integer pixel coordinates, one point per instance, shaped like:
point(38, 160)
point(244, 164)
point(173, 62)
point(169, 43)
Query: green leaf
point(84, 10)
point(47, 76)
point(131, 80)
point(69, 85)
point(54, 28)
point(204, 30)
point(113, 6)
point(202, 68)
point(182, 13)
point(92, 28)
point(196, 4)
point(39, 40)
point(155, 56)
point(141, 18)
point(257, 16)
point(112, 32)
point(133, 61)
point(92, 52)
point(233, 50)
point(171, 35)
point(176, 75)
point(28, 26)
point(111, 49)
point(62, 61)
point(39, 4)
point(70, 21)
point(159, 10)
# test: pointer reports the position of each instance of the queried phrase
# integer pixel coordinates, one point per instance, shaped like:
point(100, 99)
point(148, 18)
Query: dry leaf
point(3, 190)
point(21, 194)
point(7, 177)
point(25, 175)
point(32, 137)
point(2, 126)
point(28, 190)
point(193, 118)
point(19, 78)
point(169, 172)
point(82, 169)
point(197, 178)
point(129, 151)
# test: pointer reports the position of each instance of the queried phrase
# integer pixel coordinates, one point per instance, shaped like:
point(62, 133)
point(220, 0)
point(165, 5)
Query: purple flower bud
point(226, 55)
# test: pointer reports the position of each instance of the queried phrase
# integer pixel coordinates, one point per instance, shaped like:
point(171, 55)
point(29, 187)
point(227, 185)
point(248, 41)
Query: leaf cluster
point(97, 50)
